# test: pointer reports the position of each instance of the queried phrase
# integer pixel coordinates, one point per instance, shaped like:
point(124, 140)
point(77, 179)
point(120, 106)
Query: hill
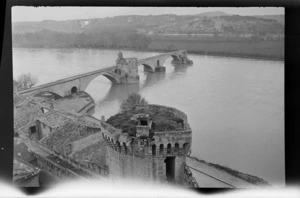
point(212, 14)
point(278, 18)
point(209, 22)
point(212, 33)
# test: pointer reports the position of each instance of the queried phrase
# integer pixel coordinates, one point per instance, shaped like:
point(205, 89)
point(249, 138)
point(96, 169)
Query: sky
point(23, 13)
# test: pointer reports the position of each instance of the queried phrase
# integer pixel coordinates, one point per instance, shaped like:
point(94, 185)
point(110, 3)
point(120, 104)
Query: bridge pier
point(128, 70)
point(182, 59)
point(160, 69)
point(128, 79)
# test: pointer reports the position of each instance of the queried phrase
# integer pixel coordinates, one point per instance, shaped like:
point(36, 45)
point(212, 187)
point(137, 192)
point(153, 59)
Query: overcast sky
point(22, 13)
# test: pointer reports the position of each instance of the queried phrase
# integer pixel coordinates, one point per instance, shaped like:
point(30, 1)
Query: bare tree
point(132, 100)
point(26, 81)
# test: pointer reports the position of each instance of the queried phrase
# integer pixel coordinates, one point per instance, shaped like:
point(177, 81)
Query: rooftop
point(25, 113)
point(56, 118)
point(163, 119)
point(67, 125)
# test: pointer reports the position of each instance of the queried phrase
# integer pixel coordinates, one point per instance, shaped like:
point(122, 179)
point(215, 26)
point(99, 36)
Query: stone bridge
point(125, 71)
point(153, 63)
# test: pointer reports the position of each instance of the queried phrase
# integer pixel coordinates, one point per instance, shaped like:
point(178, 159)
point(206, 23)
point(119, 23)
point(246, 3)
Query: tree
point(26, 81)
point(132, 100)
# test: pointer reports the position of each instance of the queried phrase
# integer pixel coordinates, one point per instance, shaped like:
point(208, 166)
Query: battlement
point(160, 144)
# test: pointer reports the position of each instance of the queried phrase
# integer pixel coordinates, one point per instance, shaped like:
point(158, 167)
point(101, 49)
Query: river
point(235, 106)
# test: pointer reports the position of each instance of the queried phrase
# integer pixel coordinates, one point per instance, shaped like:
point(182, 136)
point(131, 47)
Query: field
point(252, 49)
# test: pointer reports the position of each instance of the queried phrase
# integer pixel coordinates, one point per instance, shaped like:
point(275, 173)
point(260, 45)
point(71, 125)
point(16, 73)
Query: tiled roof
point(25, 114)
point(68, 127)
point(53, 119)
point(57, 118)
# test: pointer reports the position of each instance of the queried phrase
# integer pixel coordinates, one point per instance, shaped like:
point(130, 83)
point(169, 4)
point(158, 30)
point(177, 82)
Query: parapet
point(145, 137)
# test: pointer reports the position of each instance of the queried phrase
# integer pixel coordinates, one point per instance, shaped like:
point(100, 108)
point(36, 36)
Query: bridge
point(125, 71)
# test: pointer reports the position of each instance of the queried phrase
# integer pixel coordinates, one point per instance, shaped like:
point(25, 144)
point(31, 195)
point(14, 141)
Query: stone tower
point(152, 144)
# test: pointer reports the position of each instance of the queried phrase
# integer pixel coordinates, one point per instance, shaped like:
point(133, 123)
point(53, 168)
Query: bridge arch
point(112, 79)
point(148, 68)
point(47, 94)
point(74, 89)
point(176, 58)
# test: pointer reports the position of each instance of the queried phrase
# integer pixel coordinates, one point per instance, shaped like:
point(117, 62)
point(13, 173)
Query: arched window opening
point(186, 147)
point(125, 147)
point(111, 141)
point(74, 90)
point(161, 149)
point(176, 147)
point(153, 149)
point(169, 148)
point(118, 146)
point(118, 71)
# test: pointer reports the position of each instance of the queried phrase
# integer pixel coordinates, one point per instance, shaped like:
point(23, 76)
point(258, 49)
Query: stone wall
point(128, 166)
point(55, 169)
point(188, 178)
point(91, 169)
point(43, 129)
point(29, 182)
point(85, 142)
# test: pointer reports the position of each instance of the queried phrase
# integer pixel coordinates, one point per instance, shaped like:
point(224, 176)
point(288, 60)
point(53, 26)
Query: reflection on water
point(153, 78)
point(119, 93)
point(235, 106)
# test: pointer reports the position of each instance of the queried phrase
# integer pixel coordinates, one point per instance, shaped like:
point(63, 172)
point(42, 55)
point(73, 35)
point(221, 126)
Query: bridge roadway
point(68, 79)
point(140, 61)
point(210, 177)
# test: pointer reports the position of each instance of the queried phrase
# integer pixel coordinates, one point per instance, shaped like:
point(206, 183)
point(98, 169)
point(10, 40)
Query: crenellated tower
point(148, 142)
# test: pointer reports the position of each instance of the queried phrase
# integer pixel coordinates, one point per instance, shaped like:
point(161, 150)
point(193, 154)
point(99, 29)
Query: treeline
point(121, 38)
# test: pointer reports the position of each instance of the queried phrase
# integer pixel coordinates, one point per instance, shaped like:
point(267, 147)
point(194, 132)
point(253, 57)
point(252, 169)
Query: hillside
point(211, 33)
point(211, 22)
point(278, 18)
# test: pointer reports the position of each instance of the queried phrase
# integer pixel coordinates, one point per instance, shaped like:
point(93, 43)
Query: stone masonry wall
point(86, 142)
point(128, 166)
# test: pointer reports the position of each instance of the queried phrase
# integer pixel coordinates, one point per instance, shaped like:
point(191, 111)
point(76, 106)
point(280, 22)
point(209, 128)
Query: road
point(210, 177)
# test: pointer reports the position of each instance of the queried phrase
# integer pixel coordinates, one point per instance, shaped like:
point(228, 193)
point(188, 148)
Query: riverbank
point(190, 51)
point(267, 50)
point(243, 176)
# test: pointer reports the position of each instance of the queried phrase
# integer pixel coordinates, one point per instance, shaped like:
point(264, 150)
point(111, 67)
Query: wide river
point(235, 106)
